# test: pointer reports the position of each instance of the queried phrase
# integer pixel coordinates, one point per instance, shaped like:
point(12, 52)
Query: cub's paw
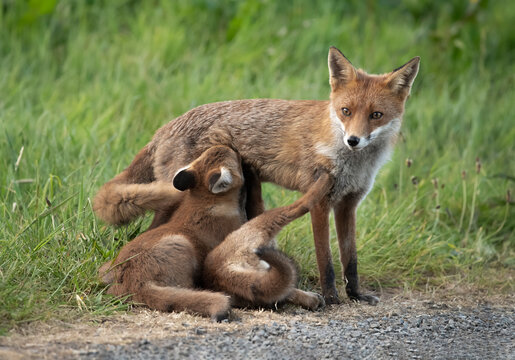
point(309, 300)
point(317, 303)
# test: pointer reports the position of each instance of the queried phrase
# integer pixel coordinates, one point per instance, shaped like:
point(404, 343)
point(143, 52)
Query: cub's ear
point(184, 180)
point(401, 79)
point(341, 71)
point(220, 181)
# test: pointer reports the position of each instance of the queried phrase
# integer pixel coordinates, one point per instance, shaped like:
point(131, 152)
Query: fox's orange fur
point(286, 141)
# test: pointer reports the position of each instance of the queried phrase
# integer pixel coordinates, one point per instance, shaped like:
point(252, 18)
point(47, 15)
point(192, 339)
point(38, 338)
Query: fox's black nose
point(353, 141)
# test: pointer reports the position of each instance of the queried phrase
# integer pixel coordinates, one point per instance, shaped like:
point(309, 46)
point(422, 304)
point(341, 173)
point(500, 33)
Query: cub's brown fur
point(247, 266)
point(162, 266)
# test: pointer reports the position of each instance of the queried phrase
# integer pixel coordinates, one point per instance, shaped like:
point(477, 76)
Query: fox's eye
point(346, 112)
point(376, 115)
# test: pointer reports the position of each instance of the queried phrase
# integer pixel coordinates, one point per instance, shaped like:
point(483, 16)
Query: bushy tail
point(118, 204)
point(126, 196)
point(270, 282)
point(171, 298)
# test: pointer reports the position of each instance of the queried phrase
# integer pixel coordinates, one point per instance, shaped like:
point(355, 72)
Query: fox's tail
point(133, 191)
point(271, 282)
point(118, 204)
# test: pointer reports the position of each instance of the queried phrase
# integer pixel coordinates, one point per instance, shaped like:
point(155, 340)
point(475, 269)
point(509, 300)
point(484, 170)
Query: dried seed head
point(409, 162)
point(414, 180)
point(508, 196)
point(478, 165)
point(435, 183)
point(463, 174)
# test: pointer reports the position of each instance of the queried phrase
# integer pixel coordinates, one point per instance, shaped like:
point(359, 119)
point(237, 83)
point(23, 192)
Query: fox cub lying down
point(164, 267)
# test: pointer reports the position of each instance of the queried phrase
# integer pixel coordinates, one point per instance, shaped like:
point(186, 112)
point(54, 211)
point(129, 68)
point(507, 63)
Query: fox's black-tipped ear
point(184, 180)
point(341, 71)
point(402, 78)
point(220, 181)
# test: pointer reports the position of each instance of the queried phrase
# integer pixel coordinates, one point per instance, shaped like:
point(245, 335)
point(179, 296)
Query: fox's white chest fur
point(355, 170)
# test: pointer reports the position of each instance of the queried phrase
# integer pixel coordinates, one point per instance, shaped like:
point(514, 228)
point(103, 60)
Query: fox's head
point(367, 107)
point(216, 172)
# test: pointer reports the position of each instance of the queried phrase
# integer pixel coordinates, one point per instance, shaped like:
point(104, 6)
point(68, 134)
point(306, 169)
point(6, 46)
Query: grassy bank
point(84, 85)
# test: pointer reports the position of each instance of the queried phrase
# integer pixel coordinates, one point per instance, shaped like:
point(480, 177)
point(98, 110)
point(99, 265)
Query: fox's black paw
point(331, 298)
point(221, 316)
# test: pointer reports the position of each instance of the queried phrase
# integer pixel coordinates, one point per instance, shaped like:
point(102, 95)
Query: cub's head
point(216, 171)
point(367, 107)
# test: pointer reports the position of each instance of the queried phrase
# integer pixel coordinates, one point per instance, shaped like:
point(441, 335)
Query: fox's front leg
point(345, 219)
point(320, 224)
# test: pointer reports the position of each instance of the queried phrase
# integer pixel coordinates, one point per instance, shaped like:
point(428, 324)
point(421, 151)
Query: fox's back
point(277, 137)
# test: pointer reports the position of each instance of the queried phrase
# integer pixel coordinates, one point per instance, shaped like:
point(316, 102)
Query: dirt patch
point(402, 325)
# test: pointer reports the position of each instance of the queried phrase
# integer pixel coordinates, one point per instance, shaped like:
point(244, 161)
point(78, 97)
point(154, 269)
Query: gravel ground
point(398, 328)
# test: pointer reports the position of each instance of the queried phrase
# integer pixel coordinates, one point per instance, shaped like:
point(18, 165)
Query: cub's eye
point(376, 115)
point(346, 112)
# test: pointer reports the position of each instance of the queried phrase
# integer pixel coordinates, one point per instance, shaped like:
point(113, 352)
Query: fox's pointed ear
point(341, 71)
point(184, 179)
point(401, 79)
point(220, 181)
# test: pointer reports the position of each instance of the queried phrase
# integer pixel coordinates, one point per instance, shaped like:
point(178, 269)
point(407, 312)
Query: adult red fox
point(286, 142)
point(163, 267)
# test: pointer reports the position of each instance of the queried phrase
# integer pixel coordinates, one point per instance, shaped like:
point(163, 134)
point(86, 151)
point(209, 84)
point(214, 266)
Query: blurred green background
point(84, 84)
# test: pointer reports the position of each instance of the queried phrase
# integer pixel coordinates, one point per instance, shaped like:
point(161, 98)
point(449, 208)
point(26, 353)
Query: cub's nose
point(353, 141)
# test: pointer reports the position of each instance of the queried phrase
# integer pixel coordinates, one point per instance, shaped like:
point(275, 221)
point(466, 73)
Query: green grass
point(85, 84)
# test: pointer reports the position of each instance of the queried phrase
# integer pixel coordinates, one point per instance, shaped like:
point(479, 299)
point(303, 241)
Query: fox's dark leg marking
point(330, 278)
point(254, 205)
point(352, 288)
point(345, 219)
point(320, 224)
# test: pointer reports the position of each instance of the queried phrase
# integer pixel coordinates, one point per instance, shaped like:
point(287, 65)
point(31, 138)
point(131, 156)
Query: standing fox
point(286, 142)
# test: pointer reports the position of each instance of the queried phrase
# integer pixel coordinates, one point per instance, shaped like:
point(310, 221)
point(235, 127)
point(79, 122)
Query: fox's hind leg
point(166, 277)
point(171, 298)
point(306, 299)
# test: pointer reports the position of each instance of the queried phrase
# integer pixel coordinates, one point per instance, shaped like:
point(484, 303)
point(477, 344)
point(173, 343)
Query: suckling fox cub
point(286, 141)
point(247, 265)
point(162, 267)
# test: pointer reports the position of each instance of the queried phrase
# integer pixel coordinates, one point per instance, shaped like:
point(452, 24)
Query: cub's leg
point(172, 298)
point(163, 277)
point(306, 299)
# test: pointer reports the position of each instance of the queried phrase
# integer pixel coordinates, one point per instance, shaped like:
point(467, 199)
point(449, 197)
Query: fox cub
point(164, 266)
point(247, 265)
